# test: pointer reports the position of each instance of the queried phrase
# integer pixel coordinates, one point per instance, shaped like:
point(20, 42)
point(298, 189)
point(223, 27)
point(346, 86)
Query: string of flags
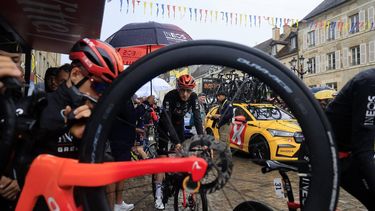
point(201, 15)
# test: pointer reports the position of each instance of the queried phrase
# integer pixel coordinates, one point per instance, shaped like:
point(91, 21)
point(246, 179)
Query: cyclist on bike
point(176, 104)
point(352, 117)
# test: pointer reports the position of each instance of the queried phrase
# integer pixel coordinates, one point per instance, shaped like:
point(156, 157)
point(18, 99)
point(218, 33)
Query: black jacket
point(53, 136)
point(174, 110)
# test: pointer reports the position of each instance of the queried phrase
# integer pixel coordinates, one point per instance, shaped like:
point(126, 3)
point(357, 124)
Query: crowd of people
point(72, 91)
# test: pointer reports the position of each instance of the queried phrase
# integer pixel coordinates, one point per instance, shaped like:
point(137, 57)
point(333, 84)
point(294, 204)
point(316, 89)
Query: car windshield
point(269, 113)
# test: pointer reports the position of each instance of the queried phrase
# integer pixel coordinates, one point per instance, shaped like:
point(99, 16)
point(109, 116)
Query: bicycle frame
point(54, 178)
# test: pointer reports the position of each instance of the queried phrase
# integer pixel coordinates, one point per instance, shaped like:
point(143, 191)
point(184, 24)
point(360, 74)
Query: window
point(311, 38)
point(293, 43)
point(238, 111)
point(312, 65)
point(274, 50)
point(354, 23)
point(331, 61)
point(355, 55)
point(333, 85)
point(331, 31)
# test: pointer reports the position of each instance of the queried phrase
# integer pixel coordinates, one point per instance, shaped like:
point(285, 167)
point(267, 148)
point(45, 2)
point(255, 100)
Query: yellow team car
point(262, 130)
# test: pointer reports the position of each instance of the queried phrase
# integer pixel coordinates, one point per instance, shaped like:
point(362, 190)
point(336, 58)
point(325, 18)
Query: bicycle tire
point(324, 185)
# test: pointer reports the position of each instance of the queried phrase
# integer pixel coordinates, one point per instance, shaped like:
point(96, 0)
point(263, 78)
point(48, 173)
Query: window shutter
point(323, 32)
point(304, 40)
point(317, 65)
point(317, 36)
point(337, 59)
point(362, 50)
point(323, 62)
point(371, 51)
point(370, 18)
point(362, 20)
point(345, 57)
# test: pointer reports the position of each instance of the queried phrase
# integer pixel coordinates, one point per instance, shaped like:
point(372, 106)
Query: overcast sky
point(114, 19)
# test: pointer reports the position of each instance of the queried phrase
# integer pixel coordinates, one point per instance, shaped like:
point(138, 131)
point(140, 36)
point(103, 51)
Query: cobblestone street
point(247, 183)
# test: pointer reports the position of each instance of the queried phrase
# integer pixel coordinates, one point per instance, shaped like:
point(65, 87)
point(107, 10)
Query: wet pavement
point(246, 183)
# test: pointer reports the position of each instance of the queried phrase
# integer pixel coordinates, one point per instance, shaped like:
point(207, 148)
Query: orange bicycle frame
point(54, 178)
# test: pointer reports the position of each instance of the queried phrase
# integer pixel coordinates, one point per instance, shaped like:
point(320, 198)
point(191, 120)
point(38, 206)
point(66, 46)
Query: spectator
point(50, 84)
point(223, 116)
point(62, 74)
point(9, 188)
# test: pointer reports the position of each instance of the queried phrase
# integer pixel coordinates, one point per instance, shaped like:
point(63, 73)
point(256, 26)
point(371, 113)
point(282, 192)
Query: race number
point(279, 189)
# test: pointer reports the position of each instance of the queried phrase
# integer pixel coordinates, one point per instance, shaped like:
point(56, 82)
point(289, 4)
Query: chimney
point(286, 29)
point(276, 33)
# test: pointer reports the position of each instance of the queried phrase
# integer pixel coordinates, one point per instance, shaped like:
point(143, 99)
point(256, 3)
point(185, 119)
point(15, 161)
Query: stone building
point(41, 61)
point(338, 40)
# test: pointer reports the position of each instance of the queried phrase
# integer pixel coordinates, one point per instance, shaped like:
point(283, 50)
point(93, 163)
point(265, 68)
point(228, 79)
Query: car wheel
point(259, 149)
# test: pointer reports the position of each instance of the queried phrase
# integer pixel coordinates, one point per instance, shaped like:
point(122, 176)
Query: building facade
point(338, 40)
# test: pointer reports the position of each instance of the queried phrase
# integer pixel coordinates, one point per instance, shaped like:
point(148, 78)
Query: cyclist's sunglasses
point(99, 87)
point(185, 90)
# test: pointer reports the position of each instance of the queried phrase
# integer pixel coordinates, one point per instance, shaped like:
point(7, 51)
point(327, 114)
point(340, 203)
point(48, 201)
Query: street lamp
point(298, 67)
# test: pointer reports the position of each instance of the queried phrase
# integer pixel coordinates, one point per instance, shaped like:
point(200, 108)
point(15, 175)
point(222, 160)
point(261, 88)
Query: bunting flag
point(200, 15)
point(239, 19)
point(174, 11)
point(196, 14)
point(157, 9)
point(168, 10)
point(191, 13)
point(255, 20)
point(144, 8)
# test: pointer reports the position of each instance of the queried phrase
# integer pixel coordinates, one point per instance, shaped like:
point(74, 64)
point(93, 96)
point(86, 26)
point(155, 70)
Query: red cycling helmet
point(98, 58)
point(185, 82)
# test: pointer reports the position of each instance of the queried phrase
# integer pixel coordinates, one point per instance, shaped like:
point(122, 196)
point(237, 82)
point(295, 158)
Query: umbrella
point(136, 40)
point(156, 85)
point(139, 39)
point(325, 94)
point(320, 88)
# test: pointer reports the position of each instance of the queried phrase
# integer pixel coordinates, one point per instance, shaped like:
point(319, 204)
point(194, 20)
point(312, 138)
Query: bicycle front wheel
point(323, 190)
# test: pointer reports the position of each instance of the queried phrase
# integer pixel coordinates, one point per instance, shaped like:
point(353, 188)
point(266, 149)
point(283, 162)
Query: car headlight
point(298, 137)
point(280, 133)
